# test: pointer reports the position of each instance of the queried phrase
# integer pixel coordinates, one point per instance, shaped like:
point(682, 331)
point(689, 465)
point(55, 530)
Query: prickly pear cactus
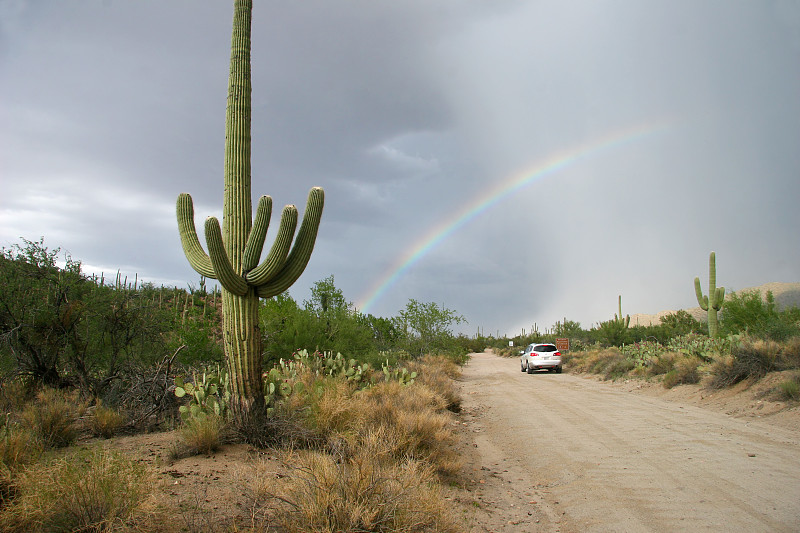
point(401, 375)
point(715, 299)
point(209, 393)
point(235, 249)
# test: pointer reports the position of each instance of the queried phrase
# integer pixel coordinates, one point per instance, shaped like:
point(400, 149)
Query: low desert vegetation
point(367, 455)
point(84, 360)
point(85, 490)
point(366, 438)
point(755, 338)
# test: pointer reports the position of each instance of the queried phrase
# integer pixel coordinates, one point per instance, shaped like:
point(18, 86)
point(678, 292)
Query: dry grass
point(53, 417)
point(14, 394)
point(609, 362)
point(19, 446)
point(685, 371)
point(105, 421)
point(203, 434)
point(415, 422)
point(438, 374)
point(789, 390)
point(366, 492)
point(93, 490)
point(750, 360)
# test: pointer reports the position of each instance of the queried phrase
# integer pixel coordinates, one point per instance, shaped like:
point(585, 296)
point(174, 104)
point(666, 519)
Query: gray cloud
point(407, 113)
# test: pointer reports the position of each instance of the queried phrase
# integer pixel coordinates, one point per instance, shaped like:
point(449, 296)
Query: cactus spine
point(716, 296)
point(234, 250)
point(625, 322)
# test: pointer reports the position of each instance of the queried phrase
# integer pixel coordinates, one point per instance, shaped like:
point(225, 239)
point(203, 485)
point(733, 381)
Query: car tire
point(558, 370)
point(531, 370)
point(524, 367)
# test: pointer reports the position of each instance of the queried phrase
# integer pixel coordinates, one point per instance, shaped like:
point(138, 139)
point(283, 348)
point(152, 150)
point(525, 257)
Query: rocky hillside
point(786, 295)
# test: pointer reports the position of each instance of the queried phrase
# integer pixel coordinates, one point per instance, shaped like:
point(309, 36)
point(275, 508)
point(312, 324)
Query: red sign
point(562, 345)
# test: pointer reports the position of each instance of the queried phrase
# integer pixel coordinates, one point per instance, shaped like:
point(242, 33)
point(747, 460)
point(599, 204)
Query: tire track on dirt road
point(598, 459)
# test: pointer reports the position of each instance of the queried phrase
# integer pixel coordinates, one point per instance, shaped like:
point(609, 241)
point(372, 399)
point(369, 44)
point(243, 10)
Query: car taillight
point(557, 354)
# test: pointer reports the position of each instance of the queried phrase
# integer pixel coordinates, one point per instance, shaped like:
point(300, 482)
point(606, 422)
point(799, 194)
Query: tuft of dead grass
point(684, 371)
point(203, 434)
point(415, 422)
point(105, 421)
point(19, 446)
point(92, 490)
point(752, 359)
point(610, 362)
point(366, 492)
point(53, 416)
point(438, 374)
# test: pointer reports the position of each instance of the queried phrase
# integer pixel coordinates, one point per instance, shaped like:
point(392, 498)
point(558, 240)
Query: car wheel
point(531, 370)
point(524, 367)
point(558, 370)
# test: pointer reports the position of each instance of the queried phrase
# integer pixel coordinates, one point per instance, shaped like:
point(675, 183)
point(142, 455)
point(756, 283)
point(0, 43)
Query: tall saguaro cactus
point(234, 251)
point(716, 296)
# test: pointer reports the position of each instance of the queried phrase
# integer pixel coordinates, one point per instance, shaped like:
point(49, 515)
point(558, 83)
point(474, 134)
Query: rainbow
point(497, 194)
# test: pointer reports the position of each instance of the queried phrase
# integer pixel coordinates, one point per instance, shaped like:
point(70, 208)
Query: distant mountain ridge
point(786, 295)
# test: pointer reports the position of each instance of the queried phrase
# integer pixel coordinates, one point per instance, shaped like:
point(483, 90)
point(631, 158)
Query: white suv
point(538, 356)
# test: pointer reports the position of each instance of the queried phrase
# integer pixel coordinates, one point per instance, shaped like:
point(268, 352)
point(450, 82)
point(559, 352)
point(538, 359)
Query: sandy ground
point(558, 452)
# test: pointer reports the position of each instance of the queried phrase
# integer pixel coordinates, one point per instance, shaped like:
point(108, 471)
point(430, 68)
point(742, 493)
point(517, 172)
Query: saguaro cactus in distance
point(618, 318)
point(234, 251)
point(716, 296)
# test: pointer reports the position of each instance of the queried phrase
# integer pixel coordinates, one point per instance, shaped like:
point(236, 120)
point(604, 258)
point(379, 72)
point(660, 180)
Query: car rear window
point(545, 348)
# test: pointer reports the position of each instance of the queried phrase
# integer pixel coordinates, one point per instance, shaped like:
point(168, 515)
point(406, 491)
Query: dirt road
point(555, 452)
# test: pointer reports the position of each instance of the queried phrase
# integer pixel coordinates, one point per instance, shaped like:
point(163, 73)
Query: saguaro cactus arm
point(280, 249)
point(227, 276)
point(277, 272)
point(701, 299)
point(258, 233)
point(719, 298)
point(198, 259)
point(301, 251)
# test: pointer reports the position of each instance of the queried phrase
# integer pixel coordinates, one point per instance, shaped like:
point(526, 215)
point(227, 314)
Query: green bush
point(747, 313)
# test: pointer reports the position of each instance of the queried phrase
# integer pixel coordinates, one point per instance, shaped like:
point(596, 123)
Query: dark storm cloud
point(406, 112)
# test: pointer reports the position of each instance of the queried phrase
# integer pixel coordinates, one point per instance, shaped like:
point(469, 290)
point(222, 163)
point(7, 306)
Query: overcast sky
point(672, 129)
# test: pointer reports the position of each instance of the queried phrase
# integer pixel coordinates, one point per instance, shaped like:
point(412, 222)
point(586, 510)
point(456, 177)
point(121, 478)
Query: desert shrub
point(749, 359)
point(18, 446)
point(93, 490)
point(14, 394)
point(661, 364)
point(362, 493)
point(685, 371)
point(790, 353)
point(438, 373)
point(203, 434)
point(331, 411)
point(790, 389)
point(610, 362)
point(105, 421)
point(53, 417)
point(747, 312)
point(415, 422)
